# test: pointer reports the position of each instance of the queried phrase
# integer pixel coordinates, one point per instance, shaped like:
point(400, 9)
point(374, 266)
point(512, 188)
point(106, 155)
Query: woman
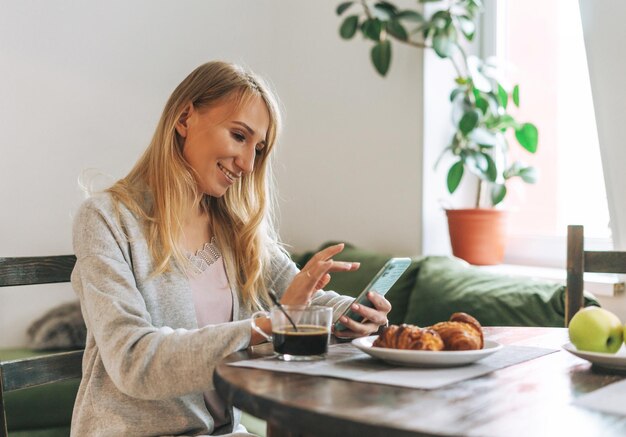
point(173, 258)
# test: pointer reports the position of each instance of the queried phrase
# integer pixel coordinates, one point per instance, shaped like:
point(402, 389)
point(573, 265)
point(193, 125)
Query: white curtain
point(605, 39)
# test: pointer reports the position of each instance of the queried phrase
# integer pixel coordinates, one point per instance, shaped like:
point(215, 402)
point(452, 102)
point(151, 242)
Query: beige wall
point(82, 85)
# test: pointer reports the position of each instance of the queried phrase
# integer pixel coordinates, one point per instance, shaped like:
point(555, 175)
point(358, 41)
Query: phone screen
point(381, 283)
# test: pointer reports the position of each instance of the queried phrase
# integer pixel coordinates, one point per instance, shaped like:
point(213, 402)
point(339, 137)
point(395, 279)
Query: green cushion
point(45, 406)
point(447, 285)
point(61, 431)
point(352, 283)
point(19, 353)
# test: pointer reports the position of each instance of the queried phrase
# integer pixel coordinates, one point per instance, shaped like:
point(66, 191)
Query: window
point(542, 44)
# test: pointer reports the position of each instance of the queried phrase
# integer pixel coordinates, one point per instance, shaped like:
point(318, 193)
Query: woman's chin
point(215, 193)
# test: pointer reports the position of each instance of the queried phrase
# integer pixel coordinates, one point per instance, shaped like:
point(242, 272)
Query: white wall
point(83, 83)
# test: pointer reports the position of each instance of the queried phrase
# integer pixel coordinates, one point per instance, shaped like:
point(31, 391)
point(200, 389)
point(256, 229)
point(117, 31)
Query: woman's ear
point(181, 124)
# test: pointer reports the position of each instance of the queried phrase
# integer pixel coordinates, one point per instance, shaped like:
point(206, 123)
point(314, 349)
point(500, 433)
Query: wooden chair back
point(45, 369)
point(580, 261)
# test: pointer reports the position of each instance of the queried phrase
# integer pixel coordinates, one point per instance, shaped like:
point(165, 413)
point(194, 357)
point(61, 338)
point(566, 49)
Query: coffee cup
point(300, 333)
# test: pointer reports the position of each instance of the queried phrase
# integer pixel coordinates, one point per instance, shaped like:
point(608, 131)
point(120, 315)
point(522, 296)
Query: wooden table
point(528, 399)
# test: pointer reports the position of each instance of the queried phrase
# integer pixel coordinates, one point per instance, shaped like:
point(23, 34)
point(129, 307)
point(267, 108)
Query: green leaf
point(442, 45)
point(513, 170)
point(451, 32)
point(476, 163)
point(455, 92)
point(455, 174)
point(528, 136)
point(494, 102)
point(482, 104)
point(480, 79)
point(349, 26)
point(516, 95)
point(529, 175)
point(427, 31)
point(505, 122)
point(468, 122)
point(382, 11)
point(441, 19)
point(409, 15)
point(396, 29)
point(484, 137)
point(342, 7)
point(477, 4)
point(390, 8)
point(498, 192)
point(492, 169)
point(371, 28)
point(381, 56)
point(468, 28)
point(503, 97)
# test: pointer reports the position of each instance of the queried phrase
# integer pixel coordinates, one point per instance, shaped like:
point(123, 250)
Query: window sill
point(600, 284)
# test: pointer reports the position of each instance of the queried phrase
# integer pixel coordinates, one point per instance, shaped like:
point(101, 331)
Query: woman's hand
point(315, 275)
point(374, 318)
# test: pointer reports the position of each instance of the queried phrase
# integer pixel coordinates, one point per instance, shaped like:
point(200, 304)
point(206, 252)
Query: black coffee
point(308, 340)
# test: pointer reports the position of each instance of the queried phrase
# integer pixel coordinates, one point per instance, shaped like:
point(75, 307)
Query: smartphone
point(381, 283)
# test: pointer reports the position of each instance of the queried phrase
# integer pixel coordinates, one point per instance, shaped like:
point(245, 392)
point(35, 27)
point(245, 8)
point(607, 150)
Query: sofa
point(430, 290)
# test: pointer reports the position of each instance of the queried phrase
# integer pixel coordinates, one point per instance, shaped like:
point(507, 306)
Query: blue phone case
point(381, 283)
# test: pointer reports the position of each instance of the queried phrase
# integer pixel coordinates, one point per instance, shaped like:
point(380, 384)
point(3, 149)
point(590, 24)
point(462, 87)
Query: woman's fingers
point(344, 266)
point(305, 283)
point(373, 317)
point(327, 253)
point(324, 256)
point(355, 329)
point(379, 301)
point(321, 264)
point(316, 271)
point(315, 274)
point(323, 282)
point(376, 315)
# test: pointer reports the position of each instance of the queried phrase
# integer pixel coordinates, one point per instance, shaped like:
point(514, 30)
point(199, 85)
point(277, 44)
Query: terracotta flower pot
point(477, 235)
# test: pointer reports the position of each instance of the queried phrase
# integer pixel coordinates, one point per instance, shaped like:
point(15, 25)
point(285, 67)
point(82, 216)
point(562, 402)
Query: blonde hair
point(241, 220)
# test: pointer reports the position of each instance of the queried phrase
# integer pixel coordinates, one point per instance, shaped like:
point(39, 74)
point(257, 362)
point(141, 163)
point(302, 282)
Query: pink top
point(211, 295)
point(213, 302)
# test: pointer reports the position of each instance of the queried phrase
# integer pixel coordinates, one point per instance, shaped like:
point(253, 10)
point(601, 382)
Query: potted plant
point(483, 125)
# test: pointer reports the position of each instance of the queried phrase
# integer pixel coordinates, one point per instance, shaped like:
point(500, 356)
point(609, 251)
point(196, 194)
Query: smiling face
point(221, 142)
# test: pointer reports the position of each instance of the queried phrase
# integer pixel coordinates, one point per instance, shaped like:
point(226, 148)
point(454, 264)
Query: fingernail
point(344, 319)
point(355, 306)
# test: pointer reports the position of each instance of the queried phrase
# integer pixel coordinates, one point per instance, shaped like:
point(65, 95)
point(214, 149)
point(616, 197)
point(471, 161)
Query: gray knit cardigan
point(146, 362)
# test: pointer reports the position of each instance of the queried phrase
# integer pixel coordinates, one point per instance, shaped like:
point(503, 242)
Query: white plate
point(616, 361)
point(425, 358)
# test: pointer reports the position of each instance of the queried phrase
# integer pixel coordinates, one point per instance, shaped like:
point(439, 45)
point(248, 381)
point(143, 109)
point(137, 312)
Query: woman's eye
point(239, 137)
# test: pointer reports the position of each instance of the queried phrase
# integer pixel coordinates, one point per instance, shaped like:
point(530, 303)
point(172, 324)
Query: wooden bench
point(39, 368)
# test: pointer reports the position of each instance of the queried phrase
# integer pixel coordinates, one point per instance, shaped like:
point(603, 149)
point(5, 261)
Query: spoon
point(281, 308)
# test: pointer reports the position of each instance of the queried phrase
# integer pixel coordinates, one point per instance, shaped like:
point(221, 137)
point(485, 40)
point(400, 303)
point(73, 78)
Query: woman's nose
point(245, 159)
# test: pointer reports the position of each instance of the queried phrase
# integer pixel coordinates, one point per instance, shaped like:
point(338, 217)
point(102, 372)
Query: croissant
point(409, 337)
point(461, 332)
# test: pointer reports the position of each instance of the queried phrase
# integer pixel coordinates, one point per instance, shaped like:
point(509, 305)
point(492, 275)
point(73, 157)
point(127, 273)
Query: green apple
point(595, 329)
